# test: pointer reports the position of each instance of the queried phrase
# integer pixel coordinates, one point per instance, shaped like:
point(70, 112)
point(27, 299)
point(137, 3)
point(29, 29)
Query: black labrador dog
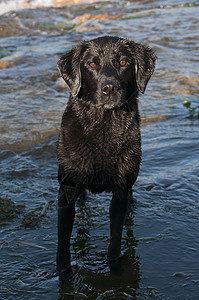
point(99, 146)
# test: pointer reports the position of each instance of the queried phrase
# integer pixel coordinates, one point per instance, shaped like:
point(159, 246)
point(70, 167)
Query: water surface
point(161, 239)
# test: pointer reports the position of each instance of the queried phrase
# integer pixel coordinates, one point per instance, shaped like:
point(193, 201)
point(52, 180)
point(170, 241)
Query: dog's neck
point(93, 116)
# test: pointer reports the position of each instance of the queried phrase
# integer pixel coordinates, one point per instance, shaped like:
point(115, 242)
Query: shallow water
point(160, 240)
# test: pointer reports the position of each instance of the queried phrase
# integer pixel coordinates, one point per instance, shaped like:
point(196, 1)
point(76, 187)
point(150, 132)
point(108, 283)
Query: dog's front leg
point(66, 214)
point(118, 209)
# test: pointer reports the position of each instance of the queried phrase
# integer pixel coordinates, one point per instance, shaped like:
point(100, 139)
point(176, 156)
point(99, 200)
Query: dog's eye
point(123, 62)
point(92, 65)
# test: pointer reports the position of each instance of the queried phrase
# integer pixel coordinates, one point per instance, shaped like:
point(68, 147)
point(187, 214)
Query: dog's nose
point(109, 87)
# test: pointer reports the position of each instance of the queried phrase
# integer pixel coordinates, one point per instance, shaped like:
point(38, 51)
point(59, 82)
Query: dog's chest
point(109, 142)
point(107, 136)
point(102, 156)
point(105, 146)
point(112, 159)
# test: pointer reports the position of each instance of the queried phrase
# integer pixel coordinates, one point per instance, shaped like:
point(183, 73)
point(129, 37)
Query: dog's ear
point(69, 68)
point(145, 61)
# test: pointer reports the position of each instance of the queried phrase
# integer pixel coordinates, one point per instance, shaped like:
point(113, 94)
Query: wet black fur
point(99, 145)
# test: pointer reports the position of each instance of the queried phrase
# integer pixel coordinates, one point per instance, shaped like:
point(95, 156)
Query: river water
point(161, 237)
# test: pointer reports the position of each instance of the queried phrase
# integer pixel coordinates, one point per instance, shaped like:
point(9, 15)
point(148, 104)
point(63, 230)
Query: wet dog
point(99, 146)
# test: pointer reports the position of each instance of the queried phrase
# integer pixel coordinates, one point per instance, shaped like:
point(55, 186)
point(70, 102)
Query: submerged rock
point(186, 85)
point(12, 61)
point(101, 17)
point(62, 3)
point(11, 24)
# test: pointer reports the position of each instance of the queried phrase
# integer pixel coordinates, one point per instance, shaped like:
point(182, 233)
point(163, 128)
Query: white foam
point(14, 5)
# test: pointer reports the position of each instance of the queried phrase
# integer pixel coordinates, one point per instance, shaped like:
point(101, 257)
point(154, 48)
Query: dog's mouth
point(110, 105)
point(113, 101)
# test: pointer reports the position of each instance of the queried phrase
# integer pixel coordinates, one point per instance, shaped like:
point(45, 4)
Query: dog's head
point(107, 71)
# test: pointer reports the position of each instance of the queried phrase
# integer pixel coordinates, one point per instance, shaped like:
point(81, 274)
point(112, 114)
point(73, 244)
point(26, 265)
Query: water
point(161, 240)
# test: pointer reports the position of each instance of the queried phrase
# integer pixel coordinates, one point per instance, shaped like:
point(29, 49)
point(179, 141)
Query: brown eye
point(123, 62)
point(92, 65)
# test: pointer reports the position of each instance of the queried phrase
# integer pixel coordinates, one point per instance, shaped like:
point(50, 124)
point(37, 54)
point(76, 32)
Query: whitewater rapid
point(14, 5)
